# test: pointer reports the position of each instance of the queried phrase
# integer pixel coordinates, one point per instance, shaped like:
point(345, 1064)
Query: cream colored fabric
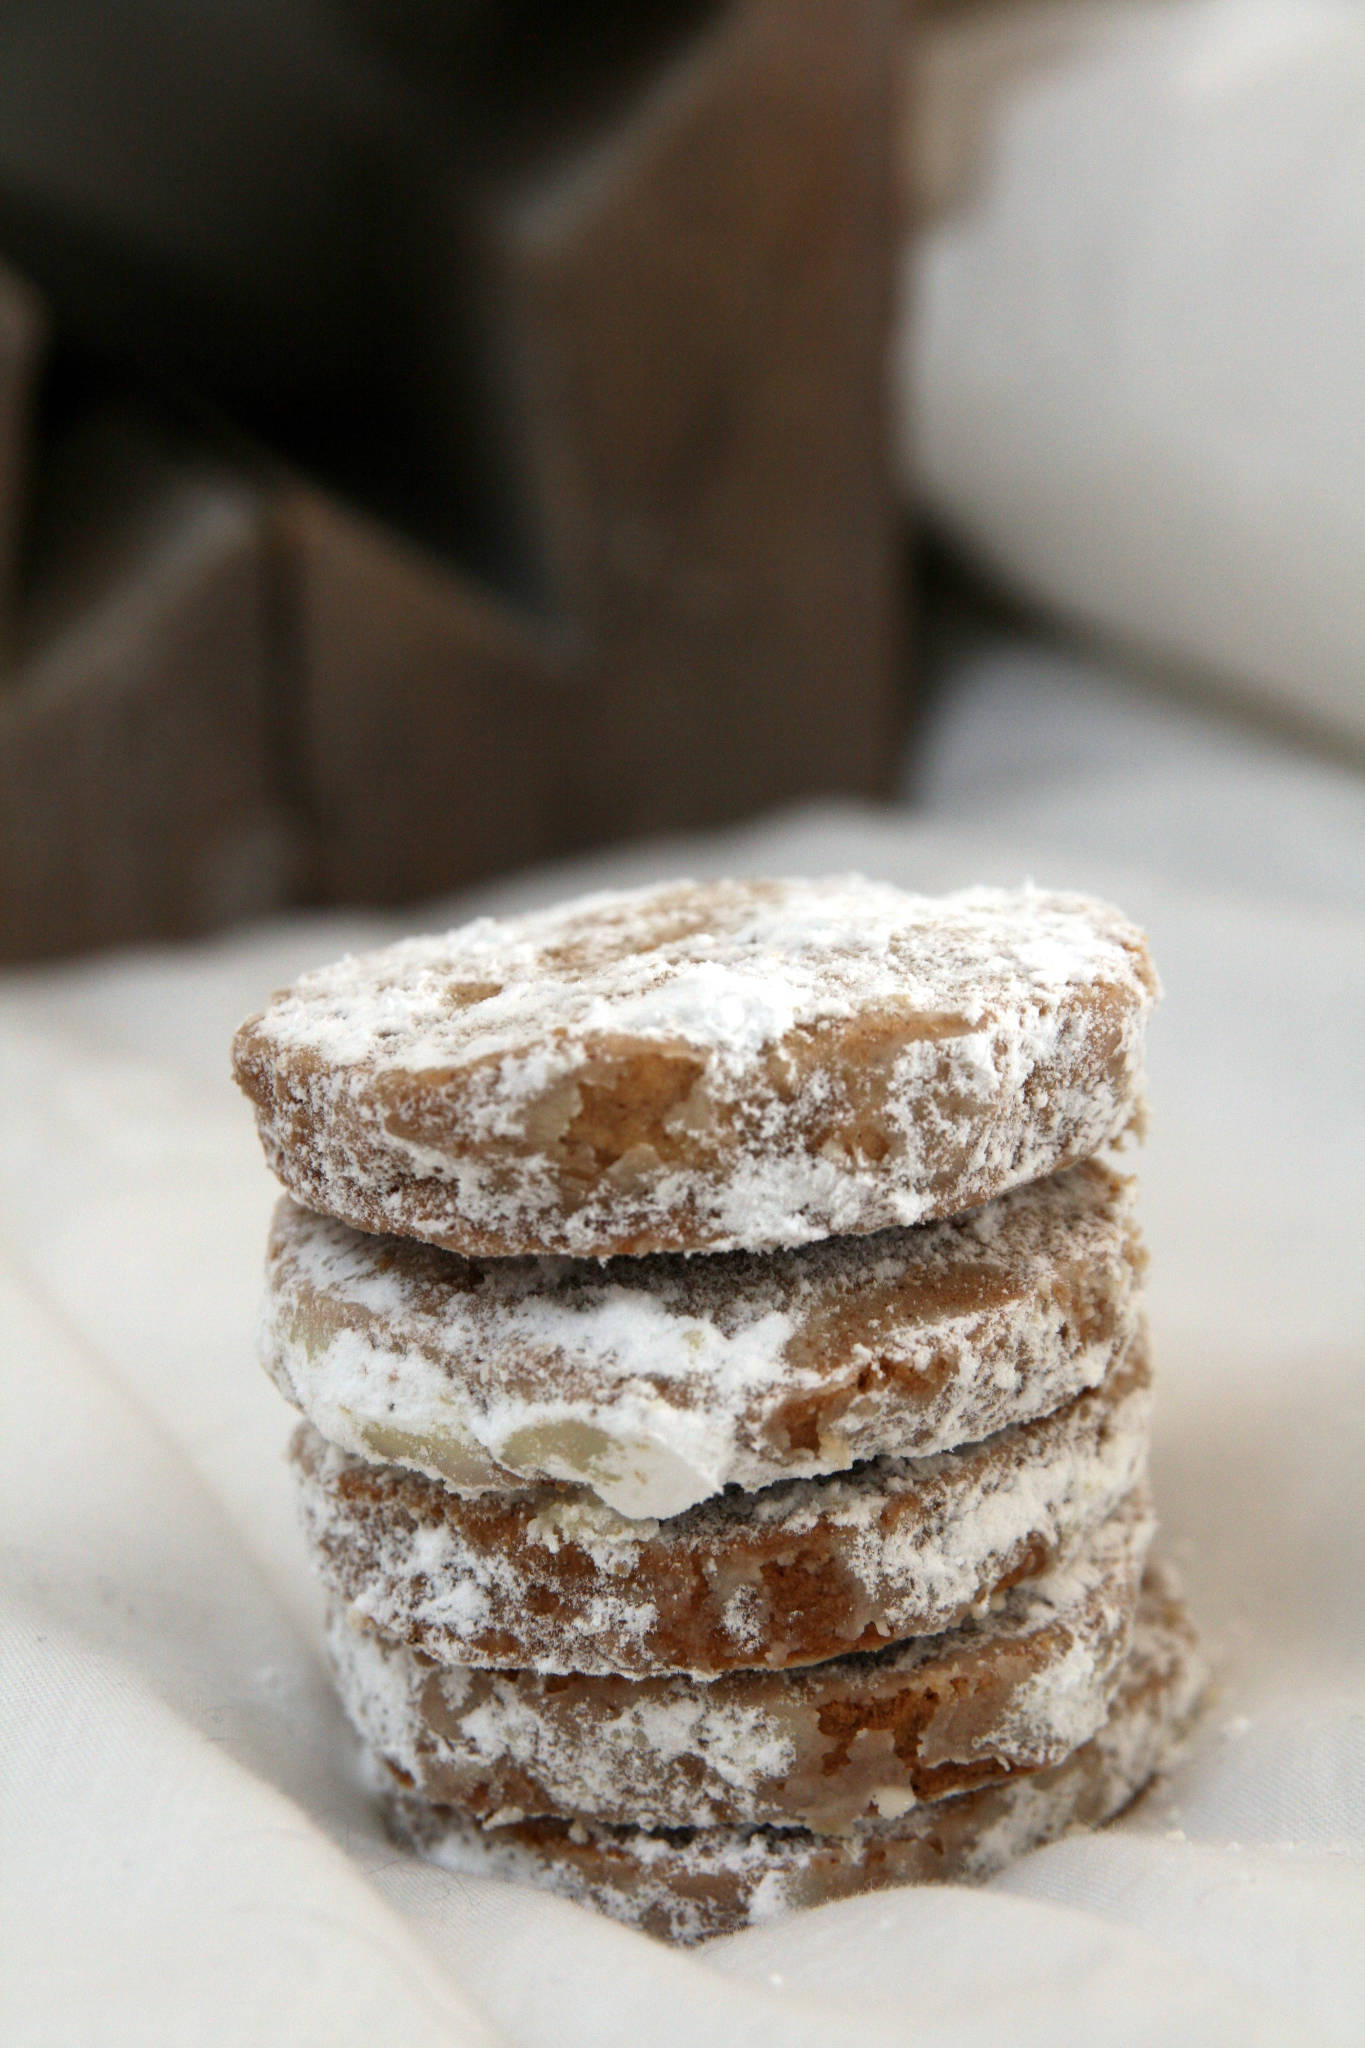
point(186, 1854)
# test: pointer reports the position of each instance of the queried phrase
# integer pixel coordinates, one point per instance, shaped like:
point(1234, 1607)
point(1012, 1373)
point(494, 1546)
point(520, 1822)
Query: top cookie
point(715, 1066)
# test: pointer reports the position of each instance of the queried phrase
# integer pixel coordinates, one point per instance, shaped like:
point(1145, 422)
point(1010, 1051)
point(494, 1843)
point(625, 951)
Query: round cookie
point(718, 1066)
point(824, 1747)
point(656, 1382)
point(548, 1579)
point(692, 1883)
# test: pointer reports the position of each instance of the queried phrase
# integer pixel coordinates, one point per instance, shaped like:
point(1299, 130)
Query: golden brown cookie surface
point(657, 1382)
point(692, 1883)
point(551, 1580)
point(825, 1747)
point(731, 1065)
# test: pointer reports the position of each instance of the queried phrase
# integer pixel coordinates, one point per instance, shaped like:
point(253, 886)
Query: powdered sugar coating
point(826, 1747)
point(692, 1884)
point(704, 1067)
point(657, 1382)
point(552, 1580)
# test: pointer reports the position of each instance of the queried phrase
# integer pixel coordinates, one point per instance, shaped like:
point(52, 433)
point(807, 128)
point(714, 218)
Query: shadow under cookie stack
point(726, 1386)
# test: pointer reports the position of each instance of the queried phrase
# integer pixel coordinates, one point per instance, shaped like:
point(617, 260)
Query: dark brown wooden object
point(136, 780)
point(21, 338)
point(692, 320)
point(676, 314)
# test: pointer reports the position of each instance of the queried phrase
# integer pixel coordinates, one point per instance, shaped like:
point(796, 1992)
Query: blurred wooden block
point(23, 329)
point(599, 309)
point(431, 737)
point(136, 778)
point(697, 319)
point(688, 309)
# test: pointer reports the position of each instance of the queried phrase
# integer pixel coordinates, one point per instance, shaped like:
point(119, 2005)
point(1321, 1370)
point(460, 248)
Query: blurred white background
point(1131, 392)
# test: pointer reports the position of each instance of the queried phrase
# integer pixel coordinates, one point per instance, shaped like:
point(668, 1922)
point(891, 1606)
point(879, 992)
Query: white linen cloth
point(187, 1855)
point(1130, 365)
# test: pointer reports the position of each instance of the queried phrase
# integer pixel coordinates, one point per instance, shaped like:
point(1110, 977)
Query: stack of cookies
point(726, 1387)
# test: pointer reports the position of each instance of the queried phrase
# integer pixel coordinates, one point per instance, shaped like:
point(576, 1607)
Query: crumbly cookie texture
point(826, 1747)
point(730, 1065)
point(551, 1580)
point(689, 1884)
point(657, 1382)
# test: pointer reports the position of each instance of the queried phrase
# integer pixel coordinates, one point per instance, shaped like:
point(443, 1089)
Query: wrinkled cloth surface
point(187, 1854)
